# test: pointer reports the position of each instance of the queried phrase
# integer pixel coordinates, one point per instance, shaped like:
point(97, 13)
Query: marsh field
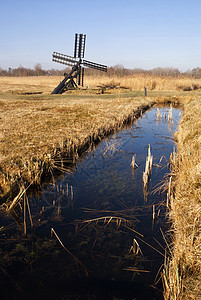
point(43, 135)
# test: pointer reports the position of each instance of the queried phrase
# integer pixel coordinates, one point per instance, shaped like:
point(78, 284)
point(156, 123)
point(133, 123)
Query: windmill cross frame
point(76, 76)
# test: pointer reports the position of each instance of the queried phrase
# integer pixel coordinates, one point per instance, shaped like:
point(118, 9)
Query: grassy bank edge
point(37, 170)
point(182, 271)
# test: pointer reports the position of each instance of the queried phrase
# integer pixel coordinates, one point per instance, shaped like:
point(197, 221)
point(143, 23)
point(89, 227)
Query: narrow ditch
point(96, 234)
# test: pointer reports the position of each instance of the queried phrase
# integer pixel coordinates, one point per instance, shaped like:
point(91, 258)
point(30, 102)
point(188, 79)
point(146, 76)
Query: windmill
point(76, 76)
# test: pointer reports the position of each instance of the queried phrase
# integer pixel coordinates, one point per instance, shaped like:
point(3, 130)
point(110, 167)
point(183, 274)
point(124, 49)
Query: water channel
point(96, 233)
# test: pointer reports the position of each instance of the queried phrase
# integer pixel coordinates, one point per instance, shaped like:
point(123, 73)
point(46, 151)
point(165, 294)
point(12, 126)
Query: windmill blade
point(75, 47)
point(93, 65)
point(82, 45)
point(64, 59)
point(79, 47)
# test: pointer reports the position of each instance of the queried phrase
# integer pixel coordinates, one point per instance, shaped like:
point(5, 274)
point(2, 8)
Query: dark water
point(94, 236)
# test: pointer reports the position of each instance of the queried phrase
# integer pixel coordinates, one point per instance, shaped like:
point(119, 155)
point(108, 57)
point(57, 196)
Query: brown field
point(46, 84)
point(41, 132)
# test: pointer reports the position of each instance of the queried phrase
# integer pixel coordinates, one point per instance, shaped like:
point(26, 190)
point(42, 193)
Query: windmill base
point(67, 83)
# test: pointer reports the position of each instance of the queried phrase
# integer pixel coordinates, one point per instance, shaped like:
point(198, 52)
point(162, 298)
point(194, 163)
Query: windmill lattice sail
point(75, 78)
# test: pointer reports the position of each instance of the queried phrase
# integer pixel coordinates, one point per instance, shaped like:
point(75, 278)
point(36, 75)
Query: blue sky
point(137, 34)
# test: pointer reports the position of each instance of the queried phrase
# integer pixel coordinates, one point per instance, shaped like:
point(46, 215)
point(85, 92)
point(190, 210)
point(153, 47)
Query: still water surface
point(94, 236)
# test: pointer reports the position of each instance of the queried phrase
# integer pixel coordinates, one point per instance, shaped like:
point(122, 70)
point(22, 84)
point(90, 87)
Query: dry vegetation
point(183, 274)
point(39, 133)
point(138, 82)
point(46, 84)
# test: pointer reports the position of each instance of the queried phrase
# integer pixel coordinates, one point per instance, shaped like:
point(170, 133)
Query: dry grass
point(15, 85)
point(138, 82)
point(184, 269)
point(39, 133)
point(46, 84)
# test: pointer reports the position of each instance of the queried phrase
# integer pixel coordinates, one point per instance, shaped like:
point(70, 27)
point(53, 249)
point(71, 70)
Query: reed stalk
point(133, 163)
point(147, 172)
point(158, 114)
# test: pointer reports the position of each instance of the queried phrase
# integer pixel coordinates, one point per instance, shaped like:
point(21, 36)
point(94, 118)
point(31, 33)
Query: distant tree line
point(117, 70)
point(37, 71)
point(163, 72)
